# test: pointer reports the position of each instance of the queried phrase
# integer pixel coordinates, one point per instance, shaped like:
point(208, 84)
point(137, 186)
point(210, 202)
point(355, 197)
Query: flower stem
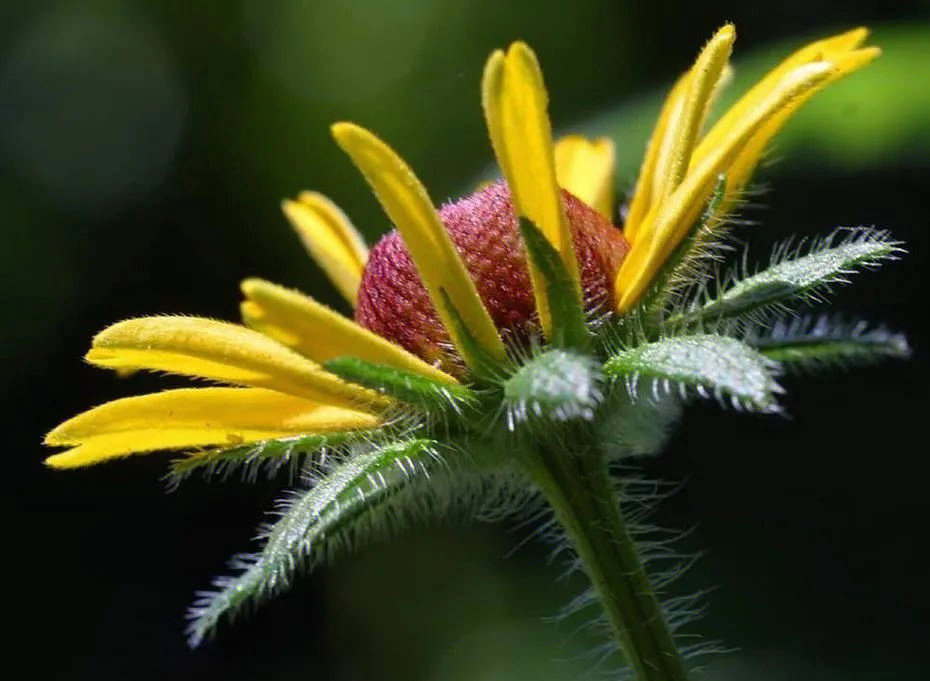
point(578, 488)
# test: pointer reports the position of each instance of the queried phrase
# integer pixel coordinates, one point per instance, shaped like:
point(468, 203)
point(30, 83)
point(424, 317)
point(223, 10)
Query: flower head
point(523, 298)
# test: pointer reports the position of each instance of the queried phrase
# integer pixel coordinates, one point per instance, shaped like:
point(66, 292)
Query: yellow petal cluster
point(274, 385)
point(681, 168)
point(194, 417)
point(287, 394)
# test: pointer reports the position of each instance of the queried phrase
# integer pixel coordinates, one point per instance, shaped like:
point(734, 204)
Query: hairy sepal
point(565, 305)
point(413, 389)
point(483, 368)
point(555, 385)
point(706, 364)
point(341, 508)
point(827, 342)
point(793, 276)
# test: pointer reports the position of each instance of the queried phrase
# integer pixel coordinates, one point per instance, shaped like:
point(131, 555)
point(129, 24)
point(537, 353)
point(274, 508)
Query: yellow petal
point(515, 107)
point(643, 195)
point(319, 333)
point(330, 238)
point(833, 49)
point(409, 207)
point(701, 83)
point(743, 166)
point(673, 140)
point(193, 417)
point(667, 223)
point(221, 351)
point(586, 169)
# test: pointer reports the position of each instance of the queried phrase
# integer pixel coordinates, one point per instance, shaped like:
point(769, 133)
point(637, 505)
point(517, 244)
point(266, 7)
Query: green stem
point(579, 490)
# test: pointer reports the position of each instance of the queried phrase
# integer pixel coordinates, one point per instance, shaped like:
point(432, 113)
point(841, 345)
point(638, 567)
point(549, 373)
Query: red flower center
point(393, 303)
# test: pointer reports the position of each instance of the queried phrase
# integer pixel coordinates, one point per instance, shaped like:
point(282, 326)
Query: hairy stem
point(578, 488)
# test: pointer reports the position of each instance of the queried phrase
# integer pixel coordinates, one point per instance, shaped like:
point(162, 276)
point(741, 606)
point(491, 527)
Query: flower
point(275, 386)
point(508, 346)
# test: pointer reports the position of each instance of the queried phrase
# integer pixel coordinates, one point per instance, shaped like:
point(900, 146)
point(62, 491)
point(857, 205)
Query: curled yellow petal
point(743, 166)
point(319, 333)
point(826, 50)
point(193, 417)
point(515, 108)
point(220, 351)
point(667, 223)
point(680, 121)
point(586, 169)
point(409, 207)
point(330, 238)
point(701, 83)
point(643, 195)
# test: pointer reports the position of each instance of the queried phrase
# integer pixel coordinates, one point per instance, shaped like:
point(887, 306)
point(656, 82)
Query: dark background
point(144, 149)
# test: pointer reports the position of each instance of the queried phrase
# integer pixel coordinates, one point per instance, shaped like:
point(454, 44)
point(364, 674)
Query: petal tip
point(727, 32)
point(250, 285)
point(58, 461)
point(519, 47)
point(342, 131)
point(54, 438)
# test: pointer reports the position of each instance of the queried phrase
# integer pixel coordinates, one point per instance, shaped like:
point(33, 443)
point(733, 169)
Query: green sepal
point(405, 386)
point(483, 368)
point(809, 344)
point(270, 455)
point(569, 330)
point(702, 363)
point(339, 510)
point(792, 276)
point(557, 385)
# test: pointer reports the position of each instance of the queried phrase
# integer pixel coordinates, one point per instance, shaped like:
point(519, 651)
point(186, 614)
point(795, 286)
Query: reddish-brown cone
point(393, 303)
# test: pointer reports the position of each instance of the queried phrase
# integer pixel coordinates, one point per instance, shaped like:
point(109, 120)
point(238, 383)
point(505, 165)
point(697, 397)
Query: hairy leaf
point(271, 455)
point(406, 386)
point(556, 384)
point(564, 296)
point(338, 510)
point(793, 276)
point(703, 363)
point(812, 343)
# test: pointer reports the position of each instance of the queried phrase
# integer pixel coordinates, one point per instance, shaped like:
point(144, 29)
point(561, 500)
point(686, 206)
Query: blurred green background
point(145, 148)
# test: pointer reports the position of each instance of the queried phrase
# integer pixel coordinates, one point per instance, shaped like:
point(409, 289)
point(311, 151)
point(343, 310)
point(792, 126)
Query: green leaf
point(556, 385)
point(271, 456)
point(792, 276)
point(406, 386)
point(702, 363)
point(565, 304)
point(341, 509)
point(808, 344)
